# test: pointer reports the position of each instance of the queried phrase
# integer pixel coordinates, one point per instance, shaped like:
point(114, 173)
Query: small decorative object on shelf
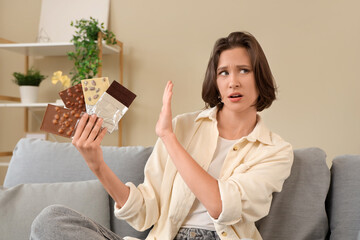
point(63, 79)
point(28, 84)
point(86, 55)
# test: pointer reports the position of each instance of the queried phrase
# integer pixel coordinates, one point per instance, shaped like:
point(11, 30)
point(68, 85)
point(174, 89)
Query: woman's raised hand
point(164, 124)
point(87, 140)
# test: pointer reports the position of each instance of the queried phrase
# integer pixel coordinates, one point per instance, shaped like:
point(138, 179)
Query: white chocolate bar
point(94, 88)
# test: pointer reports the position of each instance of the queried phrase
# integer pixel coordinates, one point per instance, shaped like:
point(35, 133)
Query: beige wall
point(312, 47)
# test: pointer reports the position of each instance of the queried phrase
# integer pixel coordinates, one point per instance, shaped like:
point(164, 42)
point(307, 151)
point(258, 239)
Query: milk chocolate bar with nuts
point(73, 98)
point(60, 121)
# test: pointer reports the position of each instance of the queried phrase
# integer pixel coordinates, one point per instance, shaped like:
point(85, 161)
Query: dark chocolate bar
point(120, 93)
point(60, 121)
point(73, 98)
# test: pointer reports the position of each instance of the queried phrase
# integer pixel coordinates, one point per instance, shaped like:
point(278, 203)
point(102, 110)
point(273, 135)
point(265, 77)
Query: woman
point(212, 173)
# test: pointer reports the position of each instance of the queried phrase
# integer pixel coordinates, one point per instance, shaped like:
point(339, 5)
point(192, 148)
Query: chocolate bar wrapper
point(110, 110)
point(112, 105)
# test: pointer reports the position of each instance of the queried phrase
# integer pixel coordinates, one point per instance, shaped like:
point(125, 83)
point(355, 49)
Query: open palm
point(164, 124)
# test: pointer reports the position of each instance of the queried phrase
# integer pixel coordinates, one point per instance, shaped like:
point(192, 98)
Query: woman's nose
point(234, 82)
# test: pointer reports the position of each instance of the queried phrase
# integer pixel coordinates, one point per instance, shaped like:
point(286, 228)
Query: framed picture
point(56, 17)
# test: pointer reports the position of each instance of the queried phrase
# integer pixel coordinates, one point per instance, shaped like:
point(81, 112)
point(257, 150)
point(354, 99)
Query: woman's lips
point(235, 97)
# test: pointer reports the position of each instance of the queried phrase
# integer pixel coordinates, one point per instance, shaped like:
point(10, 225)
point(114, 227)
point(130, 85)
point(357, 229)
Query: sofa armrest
point(298, 211)
point(343, 201)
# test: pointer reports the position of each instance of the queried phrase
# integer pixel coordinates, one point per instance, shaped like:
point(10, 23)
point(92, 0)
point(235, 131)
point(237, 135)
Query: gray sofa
point(316, 203)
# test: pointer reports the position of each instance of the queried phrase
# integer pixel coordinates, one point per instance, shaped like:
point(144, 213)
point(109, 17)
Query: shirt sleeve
point(141, 209)
point(247, 194)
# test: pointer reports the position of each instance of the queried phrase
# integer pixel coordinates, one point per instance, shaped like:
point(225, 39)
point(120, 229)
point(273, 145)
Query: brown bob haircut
point(264, 79)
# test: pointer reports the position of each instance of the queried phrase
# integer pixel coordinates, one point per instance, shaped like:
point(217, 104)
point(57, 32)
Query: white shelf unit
point(51, 49)
point(29, 105)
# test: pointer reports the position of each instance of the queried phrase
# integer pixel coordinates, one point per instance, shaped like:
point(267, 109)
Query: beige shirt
point(254, 168)
point(198, 216)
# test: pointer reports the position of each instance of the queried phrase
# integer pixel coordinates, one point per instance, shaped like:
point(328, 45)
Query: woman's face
point(236, 80)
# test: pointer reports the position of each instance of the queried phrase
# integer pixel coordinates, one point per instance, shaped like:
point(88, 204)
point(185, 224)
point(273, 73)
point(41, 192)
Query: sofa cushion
point(343, 202)
point(21, 204)
point(40, 161)
point(298, 211)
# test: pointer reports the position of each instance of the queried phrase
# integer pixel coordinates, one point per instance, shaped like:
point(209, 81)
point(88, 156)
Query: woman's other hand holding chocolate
point(87, 139)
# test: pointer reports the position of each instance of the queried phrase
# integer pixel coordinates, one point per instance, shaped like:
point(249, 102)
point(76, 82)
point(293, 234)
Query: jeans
point(196, 234)
point(57, 222)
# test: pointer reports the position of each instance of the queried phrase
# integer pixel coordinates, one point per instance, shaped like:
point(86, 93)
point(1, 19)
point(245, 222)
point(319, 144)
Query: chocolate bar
point(94, 88)
point(60, 121)
point(113, 104)
point(73, 98)
point(121, 93)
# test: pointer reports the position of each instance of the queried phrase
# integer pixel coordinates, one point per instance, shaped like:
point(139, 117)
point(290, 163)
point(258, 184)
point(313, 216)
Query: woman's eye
point(223, 73)
point(243, 71)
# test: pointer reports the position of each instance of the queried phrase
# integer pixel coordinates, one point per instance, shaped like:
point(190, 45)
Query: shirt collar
point(209, 113)
point(260, 133)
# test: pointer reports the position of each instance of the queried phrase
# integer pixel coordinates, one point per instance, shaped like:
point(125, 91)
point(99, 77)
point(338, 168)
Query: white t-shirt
point(198, 216)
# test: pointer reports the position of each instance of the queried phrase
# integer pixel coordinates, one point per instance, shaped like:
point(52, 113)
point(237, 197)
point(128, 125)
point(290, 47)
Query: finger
point(88, 127)
point(168, 84)
point(171, 84)
point(80, 127)
point(166, 89)
point(168, 94)
point(100, 136)
point(169, 87)
point(95, 131)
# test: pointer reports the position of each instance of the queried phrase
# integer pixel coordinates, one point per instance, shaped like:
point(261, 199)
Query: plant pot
point(29, 94)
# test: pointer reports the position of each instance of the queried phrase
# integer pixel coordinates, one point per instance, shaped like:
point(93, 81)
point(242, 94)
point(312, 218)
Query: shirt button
point(235, 148)
point(224, 234)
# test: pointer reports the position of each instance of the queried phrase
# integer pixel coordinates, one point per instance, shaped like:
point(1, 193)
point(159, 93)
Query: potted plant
point(86, 55)
point(28, 84)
